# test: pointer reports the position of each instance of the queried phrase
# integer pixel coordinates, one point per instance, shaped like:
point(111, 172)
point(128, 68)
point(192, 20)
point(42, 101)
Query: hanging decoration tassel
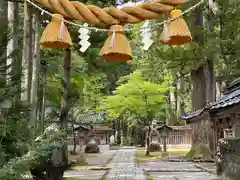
point(178, 32)
point(116, 47)
point(56, 34)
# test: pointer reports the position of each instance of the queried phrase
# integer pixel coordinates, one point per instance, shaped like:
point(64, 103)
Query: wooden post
point(164, 144)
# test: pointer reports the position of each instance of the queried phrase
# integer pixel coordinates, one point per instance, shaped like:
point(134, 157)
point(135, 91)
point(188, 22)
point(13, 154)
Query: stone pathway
point(93, 163)
point(123, 166)
point(85, 174)
point(182, 176)
point(164, 170)
point(99, 159)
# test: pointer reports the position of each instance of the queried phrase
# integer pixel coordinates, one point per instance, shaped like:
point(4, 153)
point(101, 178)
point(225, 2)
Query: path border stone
point(205, 169)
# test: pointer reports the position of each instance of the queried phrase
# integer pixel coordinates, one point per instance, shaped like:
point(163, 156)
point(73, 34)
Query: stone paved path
point(164, 170)
point(84, 174)
point(182, 176)
point(123, 166)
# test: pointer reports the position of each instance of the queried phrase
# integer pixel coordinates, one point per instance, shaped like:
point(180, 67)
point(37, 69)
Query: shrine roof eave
point(204, 115)
point(228, 100)
point(192, 115)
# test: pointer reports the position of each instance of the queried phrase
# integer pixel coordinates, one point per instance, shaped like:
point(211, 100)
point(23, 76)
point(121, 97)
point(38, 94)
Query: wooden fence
point(179, 136)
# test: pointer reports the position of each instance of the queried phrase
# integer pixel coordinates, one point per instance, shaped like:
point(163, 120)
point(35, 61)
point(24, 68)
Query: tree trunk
point(4, 36)
point(27, 53)
point(180, 92)
point(198, 89)
point(57, 174)
point(210, 81)
point(13, 21)
point(168, 110)
point(35, 67)
point(173, 101)
point(203, 92)
point(218, 90)
point(148, 141)
point(198, 99)
point(65, 90)
point(118, 135)
point(197, 77)
point(13, 62)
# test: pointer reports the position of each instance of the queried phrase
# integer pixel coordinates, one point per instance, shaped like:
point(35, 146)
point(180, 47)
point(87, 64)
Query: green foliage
point(136, 97)
point(14, 136)
point(17, 167)
point(14, 118)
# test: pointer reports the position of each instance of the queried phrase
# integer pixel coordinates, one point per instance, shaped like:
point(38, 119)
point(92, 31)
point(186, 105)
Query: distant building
point(99, 129)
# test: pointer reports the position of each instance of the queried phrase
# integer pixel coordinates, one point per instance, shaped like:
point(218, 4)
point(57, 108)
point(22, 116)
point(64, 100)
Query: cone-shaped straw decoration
point(176, 32)
point(116, 47)
point(56, 34)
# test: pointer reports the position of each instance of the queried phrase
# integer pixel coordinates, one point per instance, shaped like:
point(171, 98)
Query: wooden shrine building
point(219, 119)
point(99, 129)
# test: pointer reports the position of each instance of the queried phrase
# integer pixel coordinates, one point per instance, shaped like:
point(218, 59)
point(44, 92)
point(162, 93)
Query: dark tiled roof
point(86, 118)
point(192, 114)
point(227, 100)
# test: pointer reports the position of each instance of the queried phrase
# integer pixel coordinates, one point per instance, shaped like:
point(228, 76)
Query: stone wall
point(228, 158)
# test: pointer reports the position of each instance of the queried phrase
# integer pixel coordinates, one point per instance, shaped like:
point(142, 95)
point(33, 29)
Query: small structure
point(164, 133)
point(221, 118)
point(81, 132)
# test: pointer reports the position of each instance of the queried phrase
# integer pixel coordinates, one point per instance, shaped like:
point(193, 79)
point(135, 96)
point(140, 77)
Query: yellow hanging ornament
point(176, 32)
point(116, 47)
point(56, 34)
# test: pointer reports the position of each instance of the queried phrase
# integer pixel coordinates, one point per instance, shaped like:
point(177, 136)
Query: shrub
point(17, 167)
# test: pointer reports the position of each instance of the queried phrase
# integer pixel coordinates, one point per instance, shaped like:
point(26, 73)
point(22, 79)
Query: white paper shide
point(84, 37)
point(146, 36)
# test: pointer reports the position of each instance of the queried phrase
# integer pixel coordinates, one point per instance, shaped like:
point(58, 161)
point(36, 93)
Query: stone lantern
point(164, 133)
point(82, 131)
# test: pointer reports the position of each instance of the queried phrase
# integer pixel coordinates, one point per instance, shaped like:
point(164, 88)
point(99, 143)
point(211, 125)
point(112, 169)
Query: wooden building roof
point(86, 118)
point(230, 98)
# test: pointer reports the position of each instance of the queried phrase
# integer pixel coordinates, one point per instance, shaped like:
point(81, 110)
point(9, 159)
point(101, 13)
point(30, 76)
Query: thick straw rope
point(91, 14)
